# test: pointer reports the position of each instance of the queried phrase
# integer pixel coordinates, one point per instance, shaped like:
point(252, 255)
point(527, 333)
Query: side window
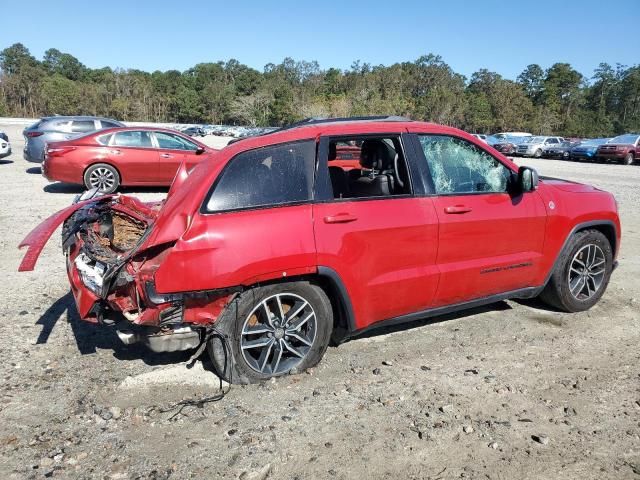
point(58, 126)
point(367, 167)
point(82, 126)
point(106, 124)
point(104, 139)
point(268, 176)
point(552, 141)
point(457, 166)
point(174, 142)
point(140, 139)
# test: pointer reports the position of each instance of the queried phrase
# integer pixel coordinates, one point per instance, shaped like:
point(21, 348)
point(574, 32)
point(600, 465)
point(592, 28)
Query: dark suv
point(278, 242)
point(623, 148)
point(55, 129)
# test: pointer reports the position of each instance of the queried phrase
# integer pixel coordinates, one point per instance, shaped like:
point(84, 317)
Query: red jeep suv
point(268, 249)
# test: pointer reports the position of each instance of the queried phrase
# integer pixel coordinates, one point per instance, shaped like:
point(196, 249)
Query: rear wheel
point(102, 176)
point(628, 159)
point(582, 274)
point(538, 153)
point(272, 331)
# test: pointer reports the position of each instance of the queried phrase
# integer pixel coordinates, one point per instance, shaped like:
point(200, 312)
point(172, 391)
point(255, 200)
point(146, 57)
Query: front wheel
point(102, 176)
point(582, 273)
point(272, 331)
point(538, 153)
point(628, 159)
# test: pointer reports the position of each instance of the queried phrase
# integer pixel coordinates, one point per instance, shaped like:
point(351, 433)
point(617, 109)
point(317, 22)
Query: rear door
point(173, 150)
point(133, 153)
point(382, 246)
point(490, 241)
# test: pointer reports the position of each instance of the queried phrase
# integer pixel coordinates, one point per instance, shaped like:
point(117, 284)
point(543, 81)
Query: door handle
point(114, 152)
point(340, 218)
point(456, 209)
point(166, 155)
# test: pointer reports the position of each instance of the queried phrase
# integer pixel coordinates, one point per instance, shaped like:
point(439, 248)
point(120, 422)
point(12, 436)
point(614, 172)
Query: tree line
point(558, 100)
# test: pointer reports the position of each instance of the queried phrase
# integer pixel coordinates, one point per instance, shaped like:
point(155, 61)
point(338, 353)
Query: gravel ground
point(511, 390)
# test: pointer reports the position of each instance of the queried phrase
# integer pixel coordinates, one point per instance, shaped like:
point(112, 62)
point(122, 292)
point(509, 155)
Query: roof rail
point(317, 120)
point(323, 120)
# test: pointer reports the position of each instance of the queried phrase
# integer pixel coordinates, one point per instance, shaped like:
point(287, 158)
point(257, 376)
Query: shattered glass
point(458, 166)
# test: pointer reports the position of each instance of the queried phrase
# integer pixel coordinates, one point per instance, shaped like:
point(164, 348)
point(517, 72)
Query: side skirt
point(528, 292)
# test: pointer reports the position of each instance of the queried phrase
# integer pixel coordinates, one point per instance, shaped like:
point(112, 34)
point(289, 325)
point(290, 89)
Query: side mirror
point(527, 179)
point(200, 151)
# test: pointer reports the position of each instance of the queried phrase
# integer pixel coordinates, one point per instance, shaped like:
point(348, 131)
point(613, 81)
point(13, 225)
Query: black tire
point(109, 175)
point(557, 292)
point(230, 362)
point(565, 156)
point(538, 153)
point(628, 159)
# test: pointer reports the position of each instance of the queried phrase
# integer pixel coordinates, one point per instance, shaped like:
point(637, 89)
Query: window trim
point(323, 192)
point(428, 180)
point(203, 210)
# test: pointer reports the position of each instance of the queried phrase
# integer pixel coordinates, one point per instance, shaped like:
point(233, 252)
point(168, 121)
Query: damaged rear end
point(111, 267)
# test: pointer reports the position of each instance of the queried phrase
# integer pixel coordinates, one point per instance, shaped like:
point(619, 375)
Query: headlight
point(91, 273)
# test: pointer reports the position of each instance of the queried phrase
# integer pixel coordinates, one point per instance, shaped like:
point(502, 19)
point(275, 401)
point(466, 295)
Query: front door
point(490, 241)
point(174, 149)
point(374, 231)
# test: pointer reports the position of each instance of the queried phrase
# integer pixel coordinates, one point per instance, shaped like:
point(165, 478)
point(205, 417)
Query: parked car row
point(623, 148)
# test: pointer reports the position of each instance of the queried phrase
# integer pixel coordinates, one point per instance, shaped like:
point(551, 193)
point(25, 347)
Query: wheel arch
point(606, 227)
point(343, 316)
point(330, 281)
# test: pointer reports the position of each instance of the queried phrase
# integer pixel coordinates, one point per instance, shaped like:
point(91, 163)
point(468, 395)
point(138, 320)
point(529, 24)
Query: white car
point(480, 136)
point(5, 145)
point(534, 146)
point(503, 135)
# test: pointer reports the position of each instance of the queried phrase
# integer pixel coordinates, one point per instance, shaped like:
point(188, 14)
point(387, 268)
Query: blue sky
point(502, 36)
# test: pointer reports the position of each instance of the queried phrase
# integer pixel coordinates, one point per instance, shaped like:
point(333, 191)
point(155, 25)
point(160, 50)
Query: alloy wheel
point(102, 178)
point(278, 333)
point(586, 272)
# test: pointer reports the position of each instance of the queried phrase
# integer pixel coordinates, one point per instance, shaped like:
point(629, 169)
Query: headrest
point(376, 155)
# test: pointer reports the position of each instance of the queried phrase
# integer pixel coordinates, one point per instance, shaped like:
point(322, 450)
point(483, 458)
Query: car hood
point(568, 185)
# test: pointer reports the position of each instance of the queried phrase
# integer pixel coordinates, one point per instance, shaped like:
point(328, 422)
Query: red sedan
point(125, 156)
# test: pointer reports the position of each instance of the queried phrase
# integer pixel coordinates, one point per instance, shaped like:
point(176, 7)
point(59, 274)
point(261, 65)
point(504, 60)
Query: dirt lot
point(507, 391)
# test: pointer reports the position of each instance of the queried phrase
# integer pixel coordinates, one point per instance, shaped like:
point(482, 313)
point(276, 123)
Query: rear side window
point(104, 139)
point(270, 176)
point(56, 125)
point(133, 139)
point(82, 126)
point(106, 124)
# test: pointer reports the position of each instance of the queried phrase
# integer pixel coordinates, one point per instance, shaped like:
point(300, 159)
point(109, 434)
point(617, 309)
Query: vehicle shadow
point(5, 162)
point(384, 330)
point(59, 187)
point(90, 337)
point(63, 188)
point(34, 170)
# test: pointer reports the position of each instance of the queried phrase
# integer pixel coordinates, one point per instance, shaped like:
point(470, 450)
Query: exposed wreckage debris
point(103, 240)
